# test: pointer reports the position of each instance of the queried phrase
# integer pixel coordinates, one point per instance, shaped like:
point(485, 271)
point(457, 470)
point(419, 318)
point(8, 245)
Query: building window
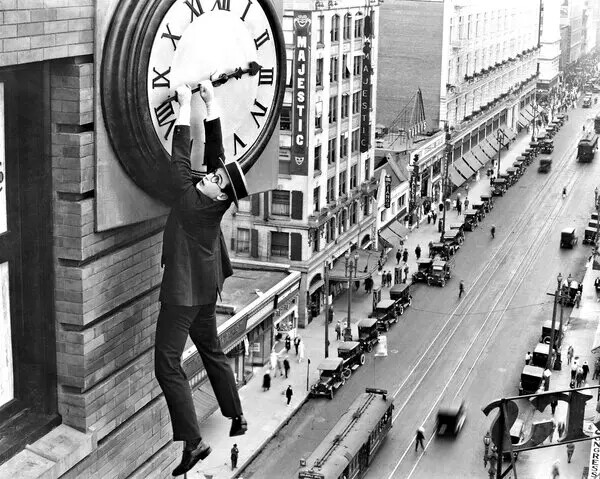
point(316, 197)
point(333, 69)
point(358, 28)
point(318, 123)
point(345, 69)
point(355, 141)
point(285, 120)
point(401, 201)
point(243, 240)
point(319, 80)
point(285, 157)
point(353, 211)
point(317, 160)
point(345, 105)
point(331, 146)
point(353, 176)
point(356, 103)
point(342, 218)
point(342, 183)
point(367, 170)
point(280, 244)
point(330, 189)
point(321, 30)
point(344, 146)
point(332, 109)
point(335, 28)
point(280, 203)
point(347, 26)
point(357, 65)
point(244, 205)
point(331, 230)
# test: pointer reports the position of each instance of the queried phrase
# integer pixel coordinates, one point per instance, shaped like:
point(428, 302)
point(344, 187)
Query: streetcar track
point(493, 265)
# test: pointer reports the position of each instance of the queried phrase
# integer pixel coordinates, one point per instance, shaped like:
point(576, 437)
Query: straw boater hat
point(237, 180)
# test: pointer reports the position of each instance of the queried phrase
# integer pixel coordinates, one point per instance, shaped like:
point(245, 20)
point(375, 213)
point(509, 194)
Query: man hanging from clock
point(196, 263)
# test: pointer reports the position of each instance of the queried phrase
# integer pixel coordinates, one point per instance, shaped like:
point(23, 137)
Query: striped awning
point(455, 177)
point(479, 157)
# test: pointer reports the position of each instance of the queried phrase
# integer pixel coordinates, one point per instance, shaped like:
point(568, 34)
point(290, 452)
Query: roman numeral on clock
point(262, 112)
point(170, 36)
point(161, 80)
point(265, 76)
point(165, 116)
point(237, 140)
point(222, 5)
point(196, 10)
point(264, 36)
point(243, 17)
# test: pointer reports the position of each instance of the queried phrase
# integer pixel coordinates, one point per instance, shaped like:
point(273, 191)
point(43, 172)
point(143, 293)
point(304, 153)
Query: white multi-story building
point(549, 57)
point(323, 206)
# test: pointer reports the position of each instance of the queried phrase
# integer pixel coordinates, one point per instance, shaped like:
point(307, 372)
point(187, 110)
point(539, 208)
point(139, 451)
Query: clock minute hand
point(253, 69)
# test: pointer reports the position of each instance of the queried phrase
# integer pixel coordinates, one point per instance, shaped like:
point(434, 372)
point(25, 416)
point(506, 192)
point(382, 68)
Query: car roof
point(385, 303)
point(330, 363)
point(533, 371)
point(541, 348)
point(439, 263)
point(367, 322)
point(451, 407)
point(348, 345)
point(568, 230)
point(398, 288)
point(424, 260)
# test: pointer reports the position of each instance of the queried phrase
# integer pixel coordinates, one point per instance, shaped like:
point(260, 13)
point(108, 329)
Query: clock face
point(154, 46)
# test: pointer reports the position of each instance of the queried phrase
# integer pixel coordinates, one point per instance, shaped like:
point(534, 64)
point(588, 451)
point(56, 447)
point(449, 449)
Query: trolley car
point(350, 446)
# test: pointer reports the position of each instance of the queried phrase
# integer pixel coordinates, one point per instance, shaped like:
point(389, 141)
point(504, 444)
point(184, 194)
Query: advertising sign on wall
point(365, 100)
point(301, 64)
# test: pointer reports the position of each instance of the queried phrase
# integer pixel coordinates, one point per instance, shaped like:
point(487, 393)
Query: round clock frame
point(124, 95)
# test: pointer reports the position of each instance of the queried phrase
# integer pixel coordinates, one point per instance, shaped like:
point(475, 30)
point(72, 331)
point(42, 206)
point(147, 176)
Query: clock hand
point(252, 70)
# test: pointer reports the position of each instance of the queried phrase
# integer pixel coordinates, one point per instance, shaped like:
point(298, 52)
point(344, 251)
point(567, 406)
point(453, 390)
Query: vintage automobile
point(547, 332)
point(530, 152)
point(440, 250)
point(539, 357)
point(440, 273)
point(460, 227)
point(589, 236)
point(510, 180)
point(453, 239)
point(423, 270)
point(587, 101)
point(562, 118)
point(332, 376)
point(479, 206)
point(520, 167)
point(471, 219)
point(386, 313)
point(592, 223)
point(450, 418)
point(488, 200)
point(400, 293)
point(594, 216)
point(352, 354)
point(532, 378)
point(499, 187)
point(368, 334)
point(568, 238)
point(534, 145)
point(545, 164)
point(569, 291)
point(551, 131)
point(547, 146)
point(514, 173)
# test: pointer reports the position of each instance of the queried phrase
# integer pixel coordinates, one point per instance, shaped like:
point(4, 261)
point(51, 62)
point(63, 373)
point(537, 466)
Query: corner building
point(324, 205)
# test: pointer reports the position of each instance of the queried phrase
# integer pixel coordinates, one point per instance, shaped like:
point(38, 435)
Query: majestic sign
point(365, 100)
point(301, 76)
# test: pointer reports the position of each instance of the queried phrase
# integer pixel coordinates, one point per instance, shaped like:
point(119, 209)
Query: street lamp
point(487, 439)
point(448, 151)
point(499, 138)
point(351, 266)
point(559, 279)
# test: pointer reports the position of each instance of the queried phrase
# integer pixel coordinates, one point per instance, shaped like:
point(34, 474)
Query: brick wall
point(106, 302)
point(37, 30)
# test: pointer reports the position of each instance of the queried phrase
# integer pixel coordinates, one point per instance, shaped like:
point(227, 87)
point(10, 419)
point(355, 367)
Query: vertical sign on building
point(388, 191)
point(3, 213)
point(365, 100)
point(7, 392)
point(300, 80)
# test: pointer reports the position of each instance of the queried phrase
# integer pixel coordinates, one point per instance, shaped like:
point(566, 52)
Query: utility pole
point(556, 295)
point(326, 309)
point(351, 266)
point(448, 147)
point(499, 138)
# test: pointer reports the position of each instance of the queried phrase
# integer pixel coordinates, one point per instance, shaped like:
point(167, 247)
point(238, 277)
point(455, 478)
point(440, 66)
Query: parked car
point(460, 227)
point(589, 236)
point(547, 146)
point(332, 376)
point(499, 187)
point(386, 314)
point(440, 273)
point(439, 249)
point(423, 270)
point(368, 334)
point(471, 219)
point(558, 334)
point(540, 356)
point(479, 206)
point(352, 354)
point(450, 418)
point(452, 239)
point(400, 293)
point(488, 200)
point(531, 379)
point(568, 238)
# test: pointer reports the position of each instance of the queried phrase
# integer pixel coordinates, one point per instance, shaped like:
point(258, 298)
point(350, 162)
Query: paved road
point(472, 348)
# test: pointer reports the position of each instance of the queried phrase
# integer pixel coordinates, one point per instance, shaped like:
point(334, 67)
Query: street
point(472, 348)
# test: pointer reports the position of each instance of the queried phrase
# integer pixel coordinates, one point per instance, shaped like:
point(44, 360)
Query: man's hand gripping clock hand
point(207, 93)
point(184, 98)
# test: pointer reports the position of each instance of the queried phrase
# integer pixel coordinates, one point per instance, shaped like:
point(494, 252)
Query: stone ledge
point(52, 455)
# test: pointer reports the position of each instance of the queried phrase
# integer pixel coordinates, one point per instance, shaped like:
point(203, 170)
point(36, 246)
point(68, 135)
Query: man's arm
point(213, 147)
point(181, 169)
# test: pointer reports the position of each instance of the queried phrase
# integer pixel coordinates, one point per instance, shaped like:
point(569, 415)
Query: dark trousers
point(172, 329)
point(419, 441)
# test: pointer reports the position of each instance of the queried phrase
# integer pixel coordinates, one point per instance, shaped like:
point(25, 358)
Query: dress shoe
point(191, 457)
point(239, 426)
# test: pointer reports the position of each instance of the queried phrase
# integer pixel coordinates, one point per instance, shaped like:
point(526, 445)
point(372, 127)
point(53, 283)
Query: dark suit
point(196, 264)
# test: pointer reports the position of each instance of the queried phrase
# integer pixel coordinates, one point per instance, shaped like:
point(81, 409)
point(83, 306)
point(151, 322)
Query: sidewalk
point(267, 412)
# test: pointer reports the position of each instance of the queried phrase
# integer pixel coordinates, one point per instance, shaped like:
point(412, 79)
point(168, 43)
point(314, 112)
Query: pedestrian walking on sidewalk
point(553, 405)
point(493, 231)
point(528, 358)
point(405, 274)
point(384, 278)
point(458, 207)
point(398, 256)
point(338, 331)
point(419, 439)
point(570, 450)
point(389, 278)
point(234, 456)
point(286, 366)
point(577, 299)
point(301, 351)
point(405, 255)
point(434, 216)
point(418, 251)
point(429, 215)
point(461, 288)
point(266, 385)
point(492, 459)
point(296, 344)
point(579, 377)
point(586, 369)
point(289, 393)
point(288, 343)
point(596, 369)
point(569, 354)
point(330, 314)
point(466, 202)
point(555, 472)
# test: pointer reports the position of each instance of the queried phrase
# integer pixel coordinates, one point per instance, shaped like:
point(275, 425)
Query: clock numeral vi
point(222, 5)
point(264, 36)
point(262, 112)
point(237, 140)
point(265, 76)
point(243, 17)
point(170, 36)
point(161, 80)
point(165, 116)
point(196, 10)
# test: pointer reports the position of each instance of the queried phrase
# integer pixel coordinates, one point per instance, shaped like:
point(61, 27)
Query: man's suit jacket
point(194, 251)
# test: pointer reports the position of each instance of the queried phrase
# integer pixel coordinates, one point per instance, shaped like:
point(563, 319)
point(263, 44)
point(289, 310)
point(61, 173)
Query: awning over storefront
point(461, 166)
point(316, 285)
point(390, 235)
point(510, 133)
point(455, 177)
point(479, 159)
point(367, 265)
point(489, 150)
point(471, 162)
